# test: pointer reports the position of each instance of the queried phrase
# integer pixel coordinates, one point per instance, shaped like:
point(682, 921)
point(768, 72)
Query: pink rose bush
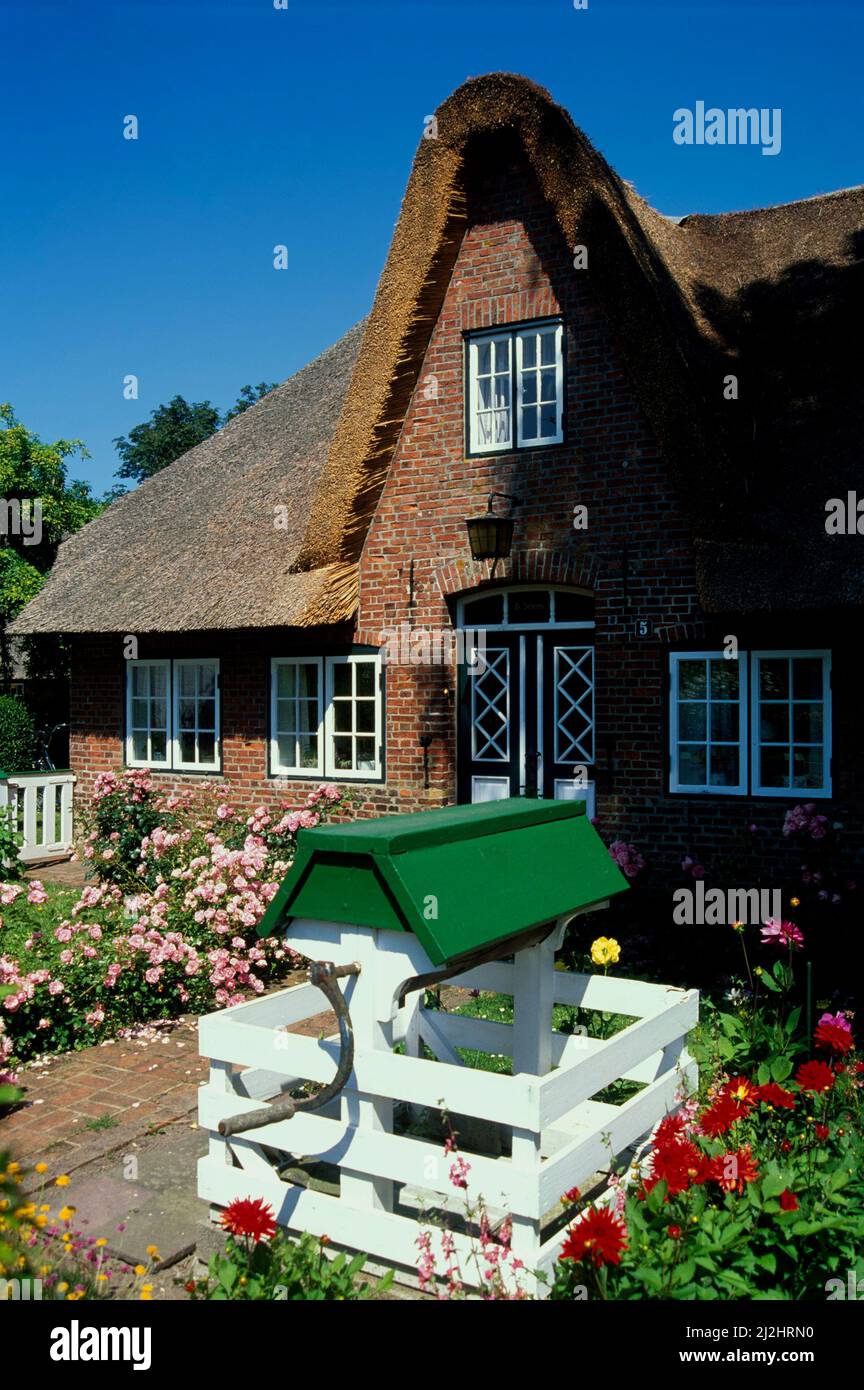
point(169, 928)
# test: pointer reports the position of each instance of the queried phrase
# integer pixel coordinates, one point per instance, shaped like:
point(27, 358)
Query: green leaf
point(781, 1067)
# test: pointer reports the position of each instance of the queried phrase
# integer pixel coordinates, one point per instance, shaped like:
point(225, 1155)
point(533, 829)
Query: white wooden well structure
point(504, 878)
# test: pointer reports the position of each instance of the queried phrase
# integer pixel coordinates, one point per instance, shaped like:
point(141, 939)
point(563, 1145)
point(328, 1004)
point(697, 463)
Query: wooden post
point(359, 1109)
point(533, 998)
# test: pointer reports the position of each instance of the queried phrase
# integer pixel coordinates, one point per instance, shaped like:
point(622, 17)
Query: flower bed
point(169, 928)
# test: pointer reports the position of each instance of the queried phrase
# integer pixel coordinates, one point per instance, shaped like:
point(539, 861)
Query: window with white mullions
point(296, 715)
point(353, 716)
point(708, 714)
point(516, 387)
point(491, 414)
point(147, 736)
point(196, 699)
point(539, 371)
point(791, 723)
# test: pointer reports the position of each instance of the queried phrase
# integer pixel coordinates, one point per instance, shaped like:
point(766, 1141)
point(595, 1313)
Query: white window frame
point(132, 761)
point(538, 441)
point(709, 789)
point(178, 764)
point(790, 792)
point(515, 335)
point(343, 774)
point(279, 768)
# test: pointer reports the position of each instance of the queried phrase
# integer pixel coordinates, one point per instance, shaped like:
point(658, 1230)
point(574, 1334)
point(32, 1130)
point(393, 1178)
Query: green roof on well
point(460, 878)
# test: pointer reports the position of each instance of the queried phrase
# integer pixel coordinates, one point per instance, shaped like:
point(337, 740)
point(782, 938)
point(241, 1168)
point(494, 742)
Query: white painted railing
point(40, 809)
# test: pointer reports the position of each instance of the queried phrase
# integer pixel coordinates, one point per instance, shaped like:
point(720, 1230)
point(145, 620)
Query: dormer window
point(515, 397)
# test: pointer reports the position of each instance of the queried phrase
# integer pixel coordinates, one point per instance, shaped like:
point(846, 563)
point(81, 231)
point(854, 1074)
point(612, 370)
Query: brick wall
point(635, 556)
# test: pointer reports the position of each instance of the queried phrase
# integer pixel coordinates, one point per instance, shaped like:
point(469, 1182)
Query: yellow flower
point(605, 951)
point(25, 1213)
point(66, 1213)
point(41, 1167)
point(152, 1251)
point(46, 1206)
point(61, 1288)
point(101, 1241)
point(5, 1204)
point(13, 1167)
point(41, 1221)
point(62, 1181)
point(146, 1292)
point(794, 902)
point(140, 1269)
point(101, 1278)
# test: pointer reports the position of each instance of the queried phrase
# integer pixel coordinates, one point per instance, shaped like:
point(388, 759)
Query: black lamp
point(491, 536)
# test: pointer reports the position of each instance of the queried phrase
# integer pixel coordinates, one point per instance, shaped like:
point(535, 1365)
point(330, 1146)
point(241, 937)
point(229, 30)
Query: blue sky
point(261, 126)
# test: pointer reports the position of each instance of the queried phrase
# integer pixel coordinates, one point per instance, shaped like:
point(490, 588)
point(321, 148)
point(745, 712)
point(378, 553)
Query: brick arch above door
point(538, 566)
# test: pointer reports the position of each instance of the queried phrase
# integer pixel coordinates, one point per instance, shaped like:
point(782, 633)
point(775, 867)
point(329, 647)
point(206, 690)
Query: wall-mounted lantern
point(491, 537)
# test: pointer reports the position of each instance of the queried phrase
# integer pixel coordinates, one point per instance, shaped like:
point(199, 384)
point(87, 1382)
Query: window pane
point(529, 389)
point(548, 421)
point(724, 766)
point(342, 711)
point(774, 723)
point(159, 681)
point(724, 680)
point(366, 754)
point(807, 723)
point(691, 680)
point(287, 750)
point(724, 723)
point(158, 747)
point(187, 747)
point(484, 356)
point(308, 712)
point(547, 347)
point(206, 748)
point(529, 422)
point(207, 680)
point(502, 391)
point(365, 677)
point(186, 677)
point(774, 678)
point(573, 608)
point(285, 710)
point(692, 722)
point(807, 678)
point(547, 386)
point(692, 767)
point(484, 393)
point(140, 713)
point(366, 716)
point(807, 767)
point(529, 349)
point(139, 746)
point(159, 714)
point(308, 750)
point(140, 680)
point(342, 753)
point(774, 767)
point(529, 607)
point(341, 678)
point(187, 714)
point(484, 610)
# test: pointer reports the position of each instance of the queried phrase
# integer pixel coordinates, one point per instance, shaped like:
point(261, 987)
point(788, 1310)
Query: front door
point(526, 725)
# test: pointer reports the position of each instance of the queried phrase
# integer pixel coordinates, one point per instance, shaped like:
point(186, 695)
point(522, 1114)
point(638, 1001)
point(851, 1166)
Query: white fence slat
point(25, 793)
point(564, 1090)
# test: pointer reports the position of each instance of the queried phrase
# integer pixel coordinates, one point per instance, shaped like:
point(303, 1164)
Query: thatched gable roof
point(773, 296)
point(197, 546)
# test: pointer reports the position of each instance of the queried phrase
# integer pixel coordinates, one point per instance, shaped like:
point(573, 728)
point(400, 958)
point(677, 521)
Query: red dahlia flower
point(743, 1092)
point(733, 1170)
point(788, 1200)
point(245, 1217)
point(598, 1236)
point(679, 1165)
point(670, 1130)
point(772, 1094)
point(814, 1076)
point(834, 1038)
point(719, 1117)
point(822, 1131)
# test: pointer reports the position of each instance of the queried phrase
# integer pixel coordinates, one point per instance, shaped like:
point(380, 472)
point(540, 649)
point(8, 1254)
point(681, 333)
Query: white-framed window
point(791, 723)
point(172, 714)
point(760, 723)
point(148, 739)
point(708, 723)
point(297, 697)
point(516, 387)
point(196, 714)
point(326, 716)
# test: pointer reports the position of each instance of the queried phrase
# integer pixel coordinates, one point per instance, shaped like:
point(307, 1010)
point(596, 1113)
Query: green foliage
point(284, 1269)
point(170, 431)
point(17, 736)
point(248, 396)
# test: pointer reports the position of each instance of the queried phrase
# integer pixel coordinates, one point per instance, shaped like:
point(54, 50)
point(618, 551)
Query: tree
point(248, 396)
point(38, 507)
point(170, 431)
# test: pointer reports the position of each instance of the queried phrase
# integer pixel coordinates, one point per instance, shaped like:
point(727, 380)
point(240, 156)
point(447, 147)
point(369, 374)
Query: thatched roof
point(773, 296)
point(197, 545)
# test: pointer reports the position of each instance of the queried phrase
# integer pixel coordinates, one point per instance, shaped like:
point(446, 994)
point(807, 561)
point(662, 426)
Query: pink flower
point(781, 934)
point(37, 894)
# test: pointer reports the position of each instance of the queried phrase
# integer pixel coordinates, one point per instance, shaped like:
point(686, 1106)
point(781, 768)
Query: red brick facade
point(635, 557)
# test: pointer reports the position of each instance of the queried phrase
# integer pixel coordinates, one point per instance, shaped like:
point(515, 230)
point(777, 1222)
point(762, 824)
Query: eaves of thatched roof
point(771, 296)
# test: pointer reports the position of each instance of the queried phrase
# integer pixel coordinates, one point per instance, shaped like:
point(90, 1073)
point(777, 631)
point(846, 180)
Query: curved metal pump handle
point(323, 974)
